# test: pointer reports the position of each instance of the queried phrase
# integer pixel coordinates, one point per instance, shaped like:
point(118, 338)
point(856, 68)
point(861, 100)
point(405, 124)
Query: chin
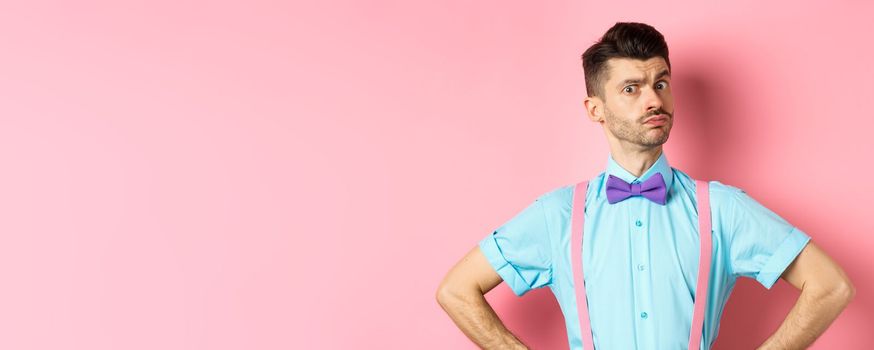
point(658, 142)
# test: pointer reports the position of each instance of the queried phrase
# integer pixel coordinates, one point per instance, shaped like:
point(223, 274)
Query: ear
point(594, 108)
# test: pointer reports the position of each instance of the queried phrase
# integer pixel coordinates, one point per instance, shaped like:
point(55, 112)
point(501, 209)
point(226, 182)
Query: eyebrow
point(663, 73)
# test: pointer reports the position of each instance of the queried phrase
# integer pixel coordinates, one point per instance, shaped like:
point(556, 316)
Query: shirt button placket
point(639, 224)
point(640, 267)
point(641, 243)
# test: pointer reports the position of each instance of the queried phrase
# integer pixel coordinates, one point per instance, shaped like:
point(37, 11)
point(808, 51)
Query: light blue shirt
point(641, 258)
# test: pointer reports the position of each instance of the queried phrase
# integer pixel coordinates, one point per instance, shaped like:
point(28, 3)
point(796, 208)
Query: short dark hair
point(626, 40)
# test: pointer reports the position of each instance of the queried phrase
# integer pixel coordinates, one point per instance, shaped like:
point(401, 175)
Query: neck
point(636, 160)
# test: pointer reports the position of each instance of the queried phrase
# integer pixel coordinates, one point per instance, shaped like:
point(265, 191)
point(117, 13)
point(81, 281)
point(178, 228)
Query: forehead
point(630, 68)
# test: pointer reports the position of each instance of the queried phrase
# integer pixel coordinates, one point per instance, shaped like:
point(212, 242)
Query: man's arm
point(462, 295)
point(825, 292)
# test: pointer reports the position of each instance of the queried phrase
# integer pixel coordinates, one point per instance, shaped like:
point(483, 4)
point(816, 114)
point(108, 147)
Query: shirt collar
point(660, 166)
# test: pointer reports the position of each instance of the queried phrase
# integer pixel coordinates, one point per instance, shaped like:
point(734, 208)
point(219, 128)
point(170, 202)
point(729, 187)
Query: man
point(641, 253)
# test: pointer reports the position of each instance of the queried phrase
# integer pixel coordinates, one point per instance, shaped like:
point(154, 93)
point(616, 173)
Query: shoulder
point(559, 199)
point(721, 194)
point(719, 189)
point(726, 198)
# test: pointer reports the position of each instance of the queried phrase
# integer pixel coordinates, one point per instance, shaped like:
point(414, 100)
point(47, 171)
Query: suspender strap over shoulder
point(704, 231)
point(577, 224)
point(702, 193)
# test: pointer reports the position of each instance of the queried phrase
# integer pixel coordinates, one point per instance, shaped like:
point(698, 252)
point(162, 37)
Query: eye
point(662, 85)
point(629, 89)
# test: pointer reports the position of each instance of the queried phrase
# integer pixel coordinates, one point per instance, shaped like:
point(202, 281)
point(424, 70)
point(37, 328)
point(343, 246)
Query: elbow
point(448, 294)
point(444, 294)
point(441, 295)
point(839, 292)
point(847, 290)
point(842, 292)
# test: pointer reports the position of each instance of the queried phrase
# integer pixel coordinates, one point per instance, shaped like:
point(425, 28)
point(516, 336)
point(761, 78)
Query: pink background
point(217, 175)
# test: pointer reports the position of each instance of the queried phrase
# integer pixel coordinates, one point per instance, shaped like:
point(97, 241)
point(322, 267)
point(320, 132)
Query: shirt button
point(640, 267)
point(643, 315)
point(638, 223)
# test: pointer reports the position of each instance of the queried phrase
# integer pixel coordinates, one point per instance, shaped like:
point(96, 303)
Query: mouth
point(657, 120)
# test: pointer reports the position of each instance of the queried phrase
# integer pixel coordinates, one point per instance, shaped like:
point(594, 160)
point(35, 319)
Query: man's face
point(638, 107)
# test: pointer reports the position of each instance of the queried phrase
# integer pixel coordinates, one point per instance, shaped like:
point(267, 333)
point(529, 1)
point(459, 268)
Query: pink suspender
point(577, 225)
point(577, 221)
point(702, 193)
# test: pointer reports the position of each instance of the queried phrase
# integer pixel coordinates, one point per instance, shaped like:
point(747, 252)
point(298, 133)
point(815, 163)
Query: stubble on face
point(636, 132)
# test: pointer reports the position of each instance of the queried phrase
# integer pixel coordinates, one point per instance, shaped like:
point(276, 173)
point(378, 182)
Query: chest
point(655, 242)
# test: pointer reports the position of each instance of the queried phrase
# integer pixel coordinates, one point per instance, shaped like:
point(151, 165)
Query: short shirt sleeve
point(762, 244)
point(519, 250)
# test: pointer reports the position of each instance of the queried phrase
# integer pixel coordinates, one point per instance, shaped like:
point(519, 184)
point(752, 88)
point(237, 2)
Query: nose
point(652, 100)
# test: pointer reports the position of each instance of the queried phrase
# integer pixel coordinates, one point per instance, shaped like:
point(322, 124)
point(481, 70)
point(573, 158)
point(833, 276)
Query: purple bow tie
point(653, 189)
